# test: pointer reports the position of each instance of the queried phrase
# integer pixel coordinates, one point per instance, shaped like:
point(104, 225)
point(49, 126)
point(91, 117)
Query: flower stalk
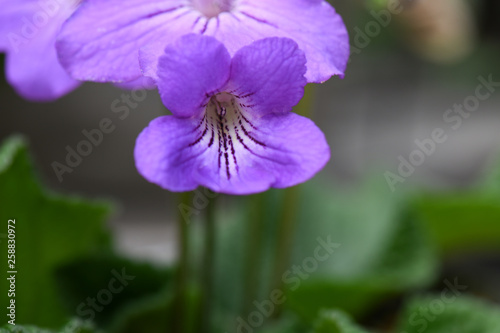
point(208, 267)
point(253, 256)
point(289, 210)
point(182, 277)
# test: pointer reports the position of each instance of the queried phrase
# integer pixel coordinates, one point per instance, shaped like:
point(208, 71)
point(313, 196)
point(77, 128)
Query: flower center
point(228, 128)
point(212, 8)
point(222, 105)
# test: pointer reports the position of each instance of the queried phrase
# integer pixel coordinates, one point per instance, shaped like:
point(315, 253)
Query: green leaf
point(453, 314)
point(465, 221)
point(156, 313)
point(246, 240)
point(23, 329)
point(114, 283)
point(78, 325)
point(287, 323)
point(152, 314)
point(457, 222)
point(74, 326)
point(333, 321)
point(383, 250)
point(49, 230)
point(491, 181)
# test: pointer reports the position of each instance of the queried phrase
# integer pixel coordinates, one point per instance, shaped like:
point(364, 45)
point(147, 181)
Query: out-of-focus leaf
point(435, 314)
point(383, 251)
point(157, 313)
point(245, 256)
point(328, 321)
point(491, 181)
point(152, 314)
point(78, 325)
point(50, 230)
point(333, 321)
point(356, 297)
point(24, 329)
point(467, 220)
point(462, 221)
point(74, 326)
point(113, 283)
point(287, 323)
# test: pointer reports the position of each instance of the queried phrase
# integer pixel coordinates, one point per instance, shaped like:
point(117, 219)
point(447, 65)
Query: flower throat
point(212, 8)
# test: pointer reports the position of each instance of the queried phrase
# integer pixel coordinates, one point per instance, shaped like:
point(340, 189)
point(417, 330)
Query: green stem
point(253, 251)
point(286, 227)
point(208, 268)
point(182, 277)
point(286, 232)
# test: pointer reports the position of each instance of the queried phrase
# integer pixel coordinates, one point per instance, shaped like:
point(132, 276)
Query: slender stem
point(289, 210)
point(183, 268)
point(253, 251)
point(208, 268)
point(285, 238)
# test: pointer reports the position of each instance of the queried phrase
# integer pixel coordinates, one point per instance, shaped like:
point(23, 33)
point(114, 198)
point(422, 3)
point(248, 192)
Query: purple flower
point(28, 30)
point(231, 130)
point(102, 39)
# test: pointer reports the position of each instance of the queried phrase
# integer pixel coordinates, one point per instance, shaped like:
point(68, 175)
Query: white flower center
point(212, 8)
point(229, 129)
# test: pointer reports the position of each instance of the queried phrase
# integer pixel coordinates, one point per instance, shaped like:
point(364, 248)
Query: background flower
point(28, 30)
point(102, 39)
point(232, 130)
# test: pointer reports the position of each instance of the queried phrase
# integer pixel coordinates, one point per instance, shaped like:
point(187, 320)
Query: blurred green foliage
point(464, 315)
point(50, 230)
point(62, 248)
point(73, 326)
point(386, 248)
point(334, 321)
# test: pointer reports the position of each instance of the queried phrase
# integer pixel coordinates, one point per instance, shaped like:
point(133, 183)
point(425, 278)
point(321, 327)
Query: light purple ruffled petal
point(28, 31)
point(102, 39)
point(190, 70)
point(143, 82)
point(180, 154)
point(270, 75)
point(313, 24)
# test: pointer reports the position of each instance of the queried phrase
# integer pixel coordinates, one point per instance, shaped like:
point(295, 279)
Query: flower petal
point(102, 39)
point(269, 75)
point(163, 154)
point(189, 71)
point(32, 66)
point(313, 24)
point(141, 83)
point(180, 154)
point(37, 75)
